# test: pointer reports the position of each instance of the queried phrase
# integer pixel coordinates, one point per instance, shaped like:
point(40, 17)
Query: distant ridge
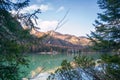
point(56, 38)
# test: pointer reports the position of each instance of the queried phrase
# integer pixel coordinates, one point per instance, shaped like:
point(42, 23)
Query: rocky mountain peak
point(61, 39)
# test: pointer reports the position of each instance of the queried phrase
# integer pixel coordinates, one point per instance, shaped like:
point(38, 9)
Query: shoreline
point(41, 75)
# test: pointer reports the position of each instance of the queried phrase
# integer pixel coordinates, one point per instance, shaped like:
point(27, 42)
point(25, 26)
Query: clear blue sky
point(80, 18)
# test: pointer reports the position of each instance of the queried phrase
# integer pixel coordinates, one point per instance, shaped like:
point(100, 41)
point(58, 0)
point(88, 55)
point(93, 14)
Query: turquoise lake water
point(46, 61)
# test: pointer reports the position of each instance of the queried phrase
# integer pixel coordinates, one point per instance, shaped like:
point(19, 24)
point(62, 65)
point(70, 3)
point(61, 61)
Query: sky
point(79, 20)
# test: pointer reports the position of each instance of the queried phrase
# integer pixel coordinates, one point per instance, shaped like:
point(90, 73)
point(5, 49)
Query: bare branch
point(62, 22)
point(27, 18)
point(59, 25)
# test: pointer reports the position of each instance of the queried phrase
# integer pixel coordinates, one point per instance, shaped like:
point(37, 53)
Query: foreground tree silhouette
point(13, 38)
point(106, 36)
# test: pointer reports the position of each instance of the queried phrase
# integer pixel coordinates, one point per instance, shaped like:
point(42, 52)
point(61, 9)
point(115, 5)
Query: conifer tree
point(12, 36)
point(106, 36)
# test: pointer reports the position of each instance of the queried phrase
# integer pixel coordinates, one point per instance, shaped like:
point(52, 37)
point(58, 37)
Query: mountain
point(62, 40)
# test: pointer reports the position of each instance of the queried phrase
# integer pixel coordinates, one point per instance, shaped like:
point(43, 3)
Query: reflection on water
point(41, 63)
point(44, 62)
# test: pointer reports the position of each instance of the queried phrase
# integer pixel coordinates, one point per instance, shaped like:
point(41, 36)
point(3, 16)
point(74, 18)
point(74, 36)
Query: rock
point(24, 79)
point(73, 64)
point(41, 76)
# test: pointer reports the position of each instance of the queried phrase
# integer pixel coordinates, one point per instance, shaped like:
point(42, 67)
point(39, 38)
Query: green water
point(45, 61)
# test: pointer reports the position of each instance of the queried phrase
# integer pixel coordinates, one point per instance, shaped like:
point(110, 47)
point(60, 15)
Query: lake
point(46, 62)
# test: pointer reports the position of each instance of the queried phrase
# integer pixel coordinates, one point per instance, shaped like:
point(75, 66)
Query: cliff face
point(57, 39)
